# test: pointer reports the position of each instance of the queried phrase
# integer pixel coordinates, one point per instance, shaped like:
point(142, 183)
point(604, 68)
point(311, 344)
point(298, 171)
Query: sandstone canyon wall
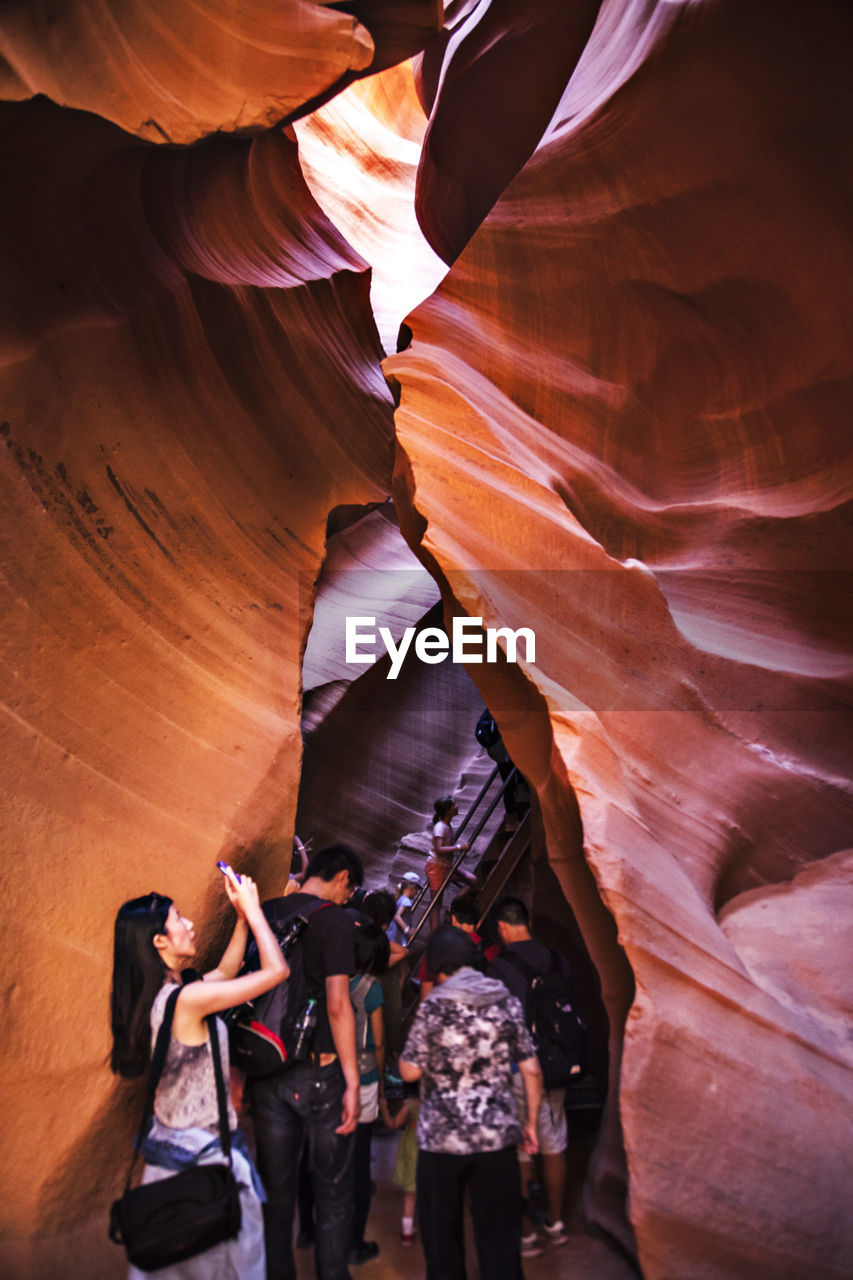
point(644, 378)
point(622, 421)
point(190, 384)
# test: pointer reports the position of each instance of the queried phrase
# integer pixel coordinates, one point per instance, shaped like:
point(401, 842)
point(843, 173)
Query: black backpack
point(276, 1029)
point(558, 1032)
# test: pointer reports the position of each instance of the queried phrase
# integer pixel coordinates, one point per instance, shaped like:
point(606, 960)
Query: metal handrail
point(454, 866)
point(513, 851)
point(485, 818)
point(476, 803)
point(419, 895)
point(432, 906)
point(416, 902)
point(517, 844)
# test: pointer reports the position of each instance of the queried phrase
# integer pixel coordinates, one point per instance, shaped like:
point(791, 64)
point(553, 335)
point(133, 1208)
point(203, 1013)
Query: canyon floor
point(583, 1258)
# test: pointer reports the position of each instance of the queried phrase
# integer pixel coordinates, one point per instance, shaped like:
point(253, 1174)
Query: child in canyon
point(407, 890)
point(371, 959)
point(405, 1167)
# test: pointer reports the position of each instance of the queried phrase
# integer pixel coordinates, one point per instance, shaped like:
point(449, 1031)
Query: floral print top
point(466, 1037)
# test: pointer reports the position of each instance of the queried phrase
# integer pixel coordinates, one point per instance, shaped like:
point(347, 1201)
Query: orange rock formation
point(191, 382)
point(639, 371)
point(622, 421)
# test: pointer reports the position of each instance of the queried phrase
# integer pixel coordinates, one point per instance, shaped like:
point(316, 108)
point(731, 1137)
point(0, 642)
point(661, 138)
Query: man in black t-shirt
point(315, 1100)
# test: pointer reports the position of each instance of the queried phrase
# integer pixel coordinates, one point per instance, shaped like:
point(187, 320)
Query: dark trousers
point(363, 1188)
point(302, 1103)
point(305, 1197)
point(492, 1181)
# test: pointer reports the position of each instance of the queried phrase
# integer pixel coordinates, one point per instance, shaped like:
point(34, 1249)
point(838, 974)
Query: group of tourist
point(474, 1104)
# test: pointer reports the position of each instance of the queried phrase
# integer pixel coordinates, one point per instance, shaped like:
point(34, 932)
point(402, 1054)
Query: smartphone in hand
point(228, 871)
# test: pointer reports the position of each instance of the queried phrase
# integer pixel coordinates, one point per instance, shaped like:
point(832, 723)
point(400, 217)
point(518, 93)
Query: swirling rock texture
point(175, 71)
point(377, 750)
point(190, 384)
point(639, 369)
point(622, 422)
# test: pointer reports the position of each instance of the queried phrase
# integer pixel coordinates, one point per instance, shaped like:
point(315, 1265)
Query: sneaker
point(407, 1237)
point(530, 1246)
point(363, 1252)
point(556, 1232)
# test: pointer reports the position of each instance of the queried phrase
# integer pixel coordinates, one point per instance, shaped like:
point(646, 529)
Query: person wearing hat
point(407, 890)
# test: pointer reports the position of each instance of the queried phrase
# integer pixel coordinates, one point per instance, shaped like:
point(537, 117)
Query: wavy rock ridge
point(627, 395)
point(622, 421)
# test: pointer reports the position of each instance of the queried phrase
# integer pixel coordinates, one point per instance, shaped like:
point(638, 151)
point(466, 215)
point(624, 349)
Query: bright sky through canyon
point(359, 155)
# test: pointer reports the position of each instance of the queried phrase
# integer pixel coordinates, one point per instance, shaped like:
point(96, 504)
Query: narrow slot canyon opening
point(379, 749)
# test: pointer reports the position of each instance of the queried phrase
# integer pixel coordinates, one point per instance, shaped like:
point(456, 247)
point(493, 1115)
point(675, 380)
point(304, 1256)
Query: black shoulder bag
point(178, 1217)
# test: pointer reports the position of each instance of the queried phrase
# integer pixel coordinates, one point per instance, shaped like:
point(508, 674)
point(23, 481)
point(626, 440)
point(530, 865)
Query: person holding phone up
point(154, 943)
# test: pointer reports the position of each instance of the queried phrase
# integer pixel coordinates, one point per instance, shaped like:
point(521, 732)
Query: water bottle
point(305, 1031)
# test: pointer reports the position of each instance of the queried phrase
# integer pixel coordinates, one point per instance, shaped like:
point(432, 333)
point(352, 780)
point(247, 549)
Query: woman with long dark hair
point(444, 848)
point(154, 944)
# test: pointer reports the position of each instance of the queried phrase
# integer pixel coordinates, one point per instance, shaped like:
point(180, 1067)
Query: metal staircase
point(505, 852)
point(515, 846)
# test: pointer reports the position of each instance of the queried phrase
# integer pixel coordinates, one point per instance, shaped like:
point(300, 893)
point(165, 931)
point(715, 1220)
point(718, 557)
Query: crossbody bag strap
point(279, 924)
point(307, 912)
point(158, 1061)
point(224, 1131)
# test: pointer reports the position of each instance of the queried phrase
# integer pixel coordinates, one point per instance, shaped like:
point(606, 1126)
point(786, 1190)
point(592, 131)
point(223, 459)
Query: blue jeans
point(303, 1104)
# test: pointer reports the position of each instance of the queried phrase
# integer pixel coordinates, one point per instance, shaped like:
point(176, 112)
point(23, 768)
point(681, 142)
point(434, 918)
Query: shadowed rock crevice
point(503, 71)
point(379, 751)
